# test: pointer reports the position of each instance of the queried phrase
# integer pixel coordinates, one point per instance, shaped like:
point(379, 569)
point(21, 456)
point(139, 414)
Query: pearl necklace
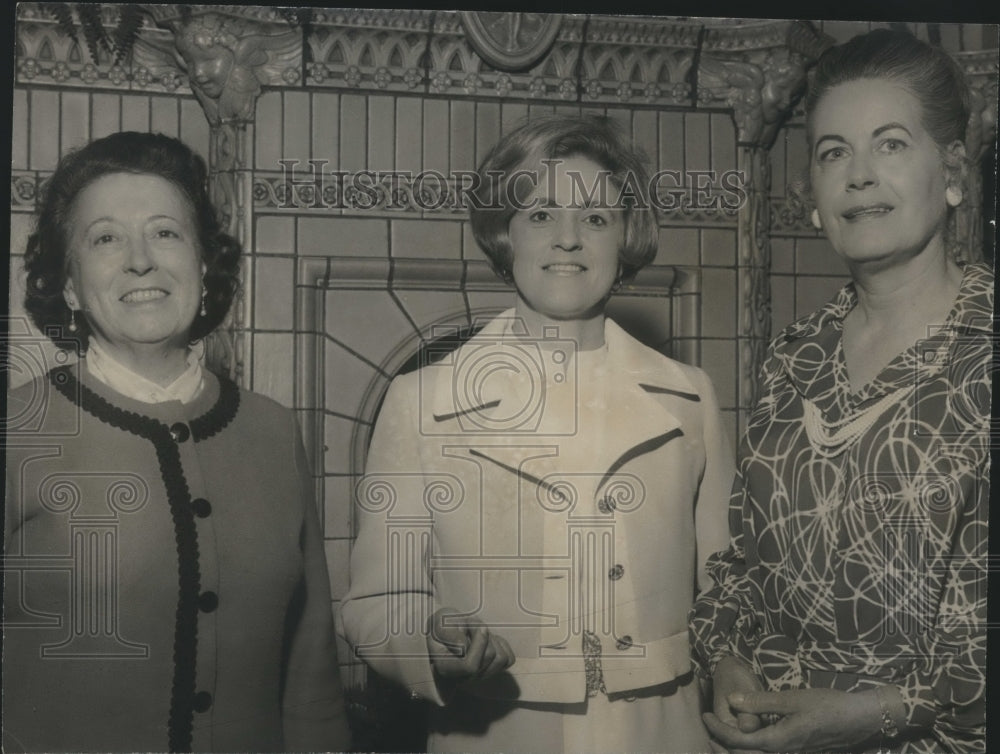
point(829, 440)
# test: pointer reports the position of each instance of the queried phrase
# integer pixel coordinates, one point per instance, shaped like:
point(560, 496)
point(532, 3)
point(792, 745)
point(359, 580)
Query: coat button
point(180, 432)
point(623, 643)
point(202, 508)
point(202, 701)
point(208, 601)
point(616, 572)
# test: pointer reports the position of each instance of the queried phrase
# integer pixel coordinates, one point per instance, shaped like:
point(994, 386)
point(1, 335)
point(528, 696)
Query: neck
point(586, 332)
point(923, 286)
point(158, 363)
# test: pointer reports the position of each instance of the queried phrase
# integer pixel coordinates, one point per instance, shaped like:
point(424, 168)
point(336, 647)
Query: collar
point(108, 370)
point(810, 349)
point(498, 365)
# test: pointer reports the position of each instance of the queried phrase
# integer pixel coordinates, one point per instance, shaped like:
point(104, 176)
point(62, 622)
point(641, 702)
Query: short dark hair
point(551, 137)
point(927, 72)
point(46, 255)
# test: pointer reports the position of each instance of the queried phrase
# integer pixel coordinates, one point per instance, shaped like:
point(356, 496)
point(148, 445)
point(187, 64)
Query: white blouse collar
point(121, 379)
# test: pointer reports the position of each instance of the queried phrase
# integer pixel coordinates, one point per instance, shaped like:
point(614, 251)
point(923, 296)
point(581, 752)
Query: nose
point(138, 260)
point(567, 234)
point(861, 174)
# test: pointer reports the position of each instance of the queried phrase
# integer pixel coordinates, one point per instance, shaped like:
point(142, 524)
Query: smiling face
point(135, 268)
point(878, 177)
point(565, 248)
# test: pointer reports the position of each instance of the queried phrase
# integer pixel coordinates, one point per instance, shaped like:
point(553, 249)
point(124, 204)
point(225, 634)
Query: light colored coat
point(513, 494)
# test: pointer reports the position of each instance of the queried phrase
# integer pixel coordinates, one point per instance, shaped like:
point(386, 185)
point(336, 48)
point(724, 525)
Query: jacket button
point(180, 432)
point(623, 643)
point(202, 508)
point(208, 601)
point(616, 572)
point(202, 701)
point(606, 505)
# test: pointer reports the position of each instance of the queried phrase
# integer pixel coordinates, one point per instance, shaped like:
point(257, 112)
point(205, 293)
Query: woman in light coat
point(539, 503)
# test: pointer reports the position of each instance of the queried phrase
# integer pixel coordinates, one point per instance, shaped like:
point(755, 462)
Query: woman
point(537, 504)
point(849, 611)
point(167, 587)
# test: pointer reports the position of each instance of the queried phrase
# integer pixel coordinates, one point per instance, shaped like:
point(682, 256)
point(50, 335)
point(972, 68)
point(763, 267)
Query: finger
point(504, 651)
point(479, 638)
point(760, 702)
point(734, 738)
point(717, 748)
point(747, 723)
point(488, 658)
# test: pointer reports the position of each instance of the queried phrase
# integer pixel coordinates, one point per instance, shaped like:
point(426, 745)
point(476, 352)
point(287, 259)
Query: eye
point(834, 153)
point(539, 216)
point(892, 145)
point(167, 233)
point(103, 239)
point(595, 220)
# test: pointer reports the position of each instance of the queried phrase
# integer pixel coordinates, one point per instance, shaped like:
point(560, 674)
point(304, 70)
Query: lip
point(866, 211)
point(564, 268)
point(143, 295)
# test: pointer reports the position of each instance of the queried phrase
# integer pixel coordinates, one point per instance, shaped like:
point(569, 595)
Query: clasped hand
point(807, 720)
point(464, 648)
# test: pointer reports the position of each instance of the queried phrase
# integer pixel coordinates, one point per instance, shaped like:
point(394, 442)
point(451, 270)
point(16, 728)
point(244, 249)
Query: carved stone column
point(758, 72)
point(228, 55)
point(981, 70)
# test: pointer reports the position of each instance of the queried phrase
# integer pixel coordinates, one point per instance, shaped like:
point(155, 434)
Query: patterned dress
point(859, 523)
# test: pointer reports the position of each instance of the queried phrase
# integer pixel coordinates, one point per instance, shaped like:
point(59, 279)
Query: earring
point(619, 279)
point(72, 320)
point(953, 195)
point(817, 223)
point(204, 293)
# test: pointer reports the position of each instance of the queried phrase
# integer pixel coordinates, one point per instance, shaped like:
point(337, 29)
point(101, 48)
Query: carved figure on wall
point(227, 61)
point(511, 41)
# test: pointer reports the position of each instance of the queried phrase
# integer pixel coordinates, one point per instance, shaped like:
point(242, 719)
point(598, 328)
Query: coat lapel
point(489, 389)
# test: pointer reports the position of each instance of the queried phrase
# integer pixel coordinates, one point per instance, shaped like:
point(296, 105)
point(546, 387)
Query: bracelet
point(889, 729)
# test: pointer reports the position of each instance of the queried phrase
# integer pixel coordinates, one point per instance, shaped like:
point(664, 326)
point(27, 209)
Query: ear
point(69, 295)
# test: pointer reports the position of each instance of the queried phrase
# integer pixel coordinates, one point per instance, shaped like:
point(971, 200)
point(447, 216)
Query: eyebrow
point(876, 132)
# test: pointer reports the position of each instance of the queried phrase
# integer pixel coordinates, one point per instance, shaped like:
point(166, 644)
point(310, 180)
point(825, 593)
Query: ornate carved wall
point(349, 271)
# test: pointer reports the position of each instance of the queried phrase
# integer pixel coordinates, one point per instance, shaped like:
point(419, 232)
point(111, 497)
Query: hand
point(733, 676)
point(464, 649)
point(811, 720)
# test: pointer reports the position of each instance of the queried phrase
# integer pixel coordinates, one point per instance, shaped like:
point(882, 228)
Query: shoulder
point(649, 364)
point(36, 406)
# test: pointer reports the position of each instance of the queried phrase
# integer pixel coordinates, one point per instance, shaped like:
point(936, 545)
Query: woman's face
point(878, 177)
point(135, 266)
point(565, 246)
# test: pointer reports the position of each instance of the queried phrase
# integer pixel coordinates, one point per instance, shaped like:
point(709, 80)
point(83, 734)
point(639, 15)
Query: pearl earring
point(817, 223)
point(203, 295)
point(953, 195)
point(72, 320)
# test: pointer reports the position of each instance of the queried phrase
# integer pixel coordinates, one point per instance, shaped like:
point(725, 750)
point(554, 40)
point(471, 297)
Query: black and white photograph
point(426, 380)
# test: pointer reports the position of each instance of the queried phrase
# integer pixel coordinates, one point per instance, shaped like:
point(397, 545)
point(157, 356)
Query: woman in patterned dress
point(538, 505)
point(849, 610)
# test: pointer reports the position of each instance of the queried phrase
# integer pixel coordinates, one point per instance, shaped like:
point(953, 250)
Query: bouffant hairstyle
point(46, 258)
point(927, 72)
point(550, 138)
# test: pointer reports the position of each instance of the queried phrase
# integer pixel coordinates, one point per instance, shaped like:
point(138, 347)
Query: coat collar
point(496, 367)
point(498, 389)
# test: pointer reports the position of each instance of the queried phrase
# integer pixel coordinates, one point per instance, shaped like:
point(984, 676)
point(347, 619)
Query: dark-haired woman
point(537, 505)
point(166, 587)
point(850, 611)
